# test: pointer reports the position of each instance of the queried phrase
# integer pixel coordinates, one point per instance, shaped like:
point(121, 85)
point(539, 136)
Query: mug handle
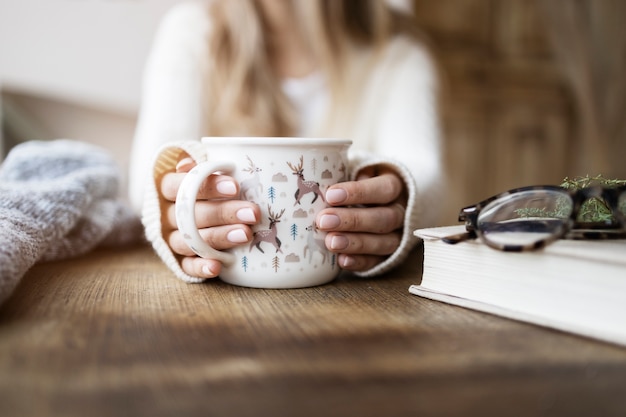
point(185, 210)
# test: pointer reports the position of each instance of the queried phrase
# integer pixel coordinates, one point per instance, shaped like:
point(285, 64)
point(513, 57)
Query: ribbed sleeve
point(153, 206)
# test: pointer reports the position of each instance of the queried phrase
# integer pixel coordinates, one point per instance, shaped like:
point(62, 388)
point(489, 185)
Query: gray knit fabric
point(58, 199)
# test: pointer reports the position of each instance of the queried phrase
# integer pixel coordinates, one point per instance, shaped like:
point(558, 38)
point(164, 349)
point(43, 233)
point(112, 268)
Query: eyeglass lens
point(526, 217)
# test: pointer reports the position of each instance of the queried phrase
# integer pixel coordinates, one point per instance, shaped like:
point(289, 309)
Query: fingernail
point(226, 187)
point(246, 215)
point(336, 196)
point(339, 242)
point(206, 270)
point(185, 162)
point(237, 236)
point(346, 261)
point(329, 221)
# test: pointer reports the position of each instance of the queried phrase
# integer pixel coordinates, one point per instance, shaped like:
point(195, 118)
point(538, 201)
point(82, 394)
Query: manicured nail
point(346, 261)
point(226, 187)
point(336, 196)
point(246, 215)
point(237, 236)
point(206, 270)
point(329, 221)
point(184, 164)
point(339, 242)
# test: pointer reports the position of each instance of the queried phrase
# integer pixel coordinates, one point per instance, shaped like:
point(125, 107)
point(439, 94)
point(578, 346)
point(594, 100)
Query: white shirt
point(309, 96)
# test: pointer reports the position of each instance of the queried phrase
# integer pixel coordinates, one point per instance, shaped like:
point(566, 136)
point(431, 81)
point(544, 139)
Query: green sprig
point(594, 209)
point(582, 182)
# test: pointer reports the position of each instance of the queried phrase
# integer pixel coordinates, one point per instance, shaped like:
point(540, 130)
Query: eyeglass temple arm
point(460, 237)
point(465, 215)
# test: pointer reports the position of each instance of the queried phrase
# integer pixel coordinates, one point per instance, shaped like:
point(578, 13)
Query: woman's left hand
point(365, 221)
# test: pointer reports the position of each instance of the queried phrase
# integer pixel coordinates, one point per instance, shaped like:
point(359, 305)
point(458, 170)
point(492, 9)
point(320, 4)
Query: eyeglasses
point(529, 218)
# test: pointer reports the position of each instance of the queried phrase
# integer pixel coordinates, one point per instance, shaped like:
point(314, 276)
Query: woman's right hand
point(224, 221)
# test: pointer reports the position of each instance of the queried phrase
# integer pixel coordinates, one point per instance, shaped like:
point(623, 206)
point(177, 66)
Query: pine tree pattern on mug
point(284, 226)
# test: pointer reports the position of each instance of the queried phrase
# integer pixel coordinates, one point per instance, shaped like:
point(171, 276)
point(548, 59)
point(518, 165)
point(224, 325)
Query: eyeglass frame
point(610, 195)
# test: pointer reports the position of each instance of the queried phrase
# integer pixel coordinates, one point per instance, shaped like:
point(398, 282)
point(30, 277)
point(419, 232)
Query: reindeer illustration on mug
point(305, 187)
point(269, 235)
point(252, 184)
point(314, 244)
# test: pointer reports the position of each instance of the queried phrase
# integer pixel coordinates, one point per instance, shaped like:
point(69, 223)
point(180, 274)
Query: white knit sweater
point(395, 123)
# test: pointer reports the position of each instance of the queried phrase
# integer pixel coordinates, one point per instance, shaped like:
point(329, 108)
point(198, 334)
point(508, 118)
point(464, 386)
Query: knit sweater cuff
point(154, 203)
point(362, 160)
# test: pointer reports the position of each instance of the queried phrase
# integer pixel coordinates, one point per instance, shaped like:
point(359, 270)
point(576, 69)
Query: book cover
point(578, 286)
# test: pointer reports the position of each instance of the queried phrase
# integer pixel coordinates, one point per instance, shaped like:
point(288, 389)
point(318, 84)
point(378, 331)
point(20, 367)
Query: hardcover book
point(577, 286)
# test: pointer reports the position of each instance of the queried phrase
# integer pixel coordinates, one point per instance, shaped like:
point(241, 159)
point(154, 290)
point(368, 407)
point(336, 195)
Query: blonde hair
point(244, 95)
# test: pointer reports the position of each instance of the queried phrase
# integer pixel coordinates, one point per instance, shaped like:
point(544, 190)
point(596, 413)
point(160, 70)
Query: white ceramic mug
point(287, 178)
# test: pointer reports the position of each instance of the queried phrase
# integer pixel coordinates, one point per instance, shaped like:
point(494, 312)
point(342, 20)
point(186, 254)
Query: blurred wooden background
point(535, 91)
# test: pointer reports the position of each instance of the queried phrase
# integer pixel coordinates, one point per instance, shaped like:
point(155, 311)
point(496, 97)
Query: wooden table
point(115, 334)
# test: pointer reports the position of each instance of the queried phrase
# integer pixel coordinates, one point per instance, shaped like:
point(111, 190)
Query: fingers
point(223, 222)
point(368, 231)
point(200, 267)
point(215, 186)
point(213, 221)
point(363, 237)
point(220, 238)
point(216, 213)
point(382, 219)
point(362, 243)
point(381, 189)
point(361, 251)
point(358, 263)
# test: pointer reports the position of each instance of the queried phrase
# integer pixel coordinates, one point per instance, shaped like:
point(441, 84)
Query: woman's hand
point(223, 221)
point(364, 225)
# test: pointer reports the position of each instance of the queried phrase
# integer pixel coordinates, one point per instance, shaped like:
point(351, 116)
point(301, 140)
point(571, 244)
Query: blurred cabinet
point(507, 110)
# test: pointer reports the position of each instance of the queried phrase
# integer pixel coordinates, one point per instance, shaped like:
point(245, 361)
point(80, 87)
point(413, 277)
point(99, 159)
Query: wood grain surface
point(115, 334)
